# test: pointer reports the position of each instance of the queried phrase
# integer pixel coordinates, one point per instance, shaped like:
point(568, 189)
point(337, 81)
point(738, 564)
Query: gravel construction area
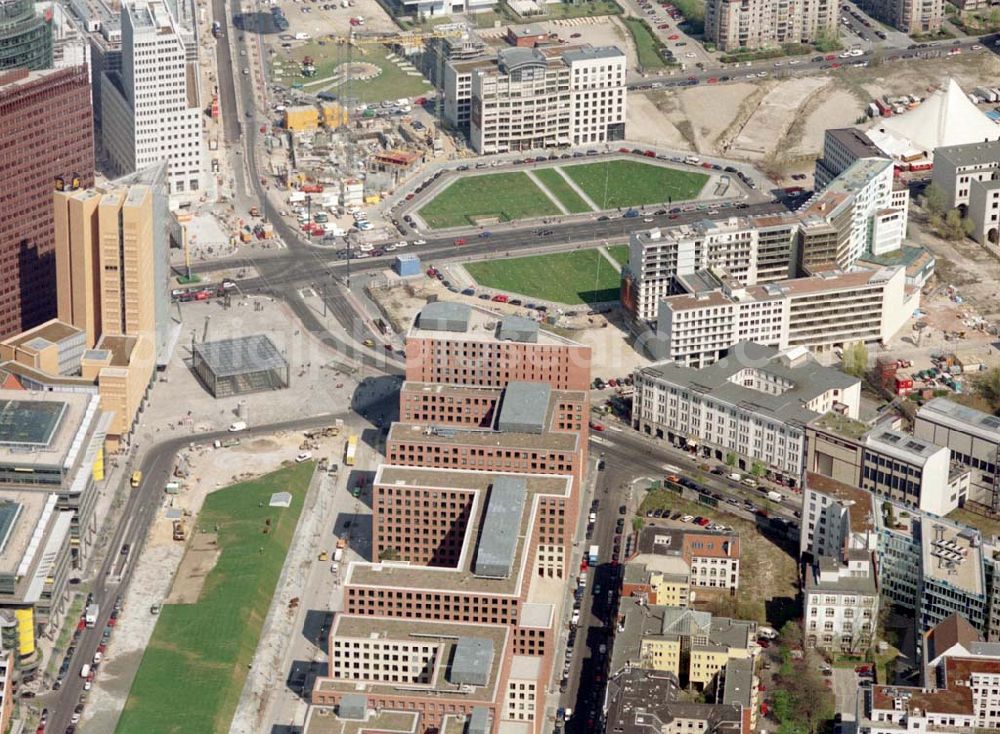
point(766, 127)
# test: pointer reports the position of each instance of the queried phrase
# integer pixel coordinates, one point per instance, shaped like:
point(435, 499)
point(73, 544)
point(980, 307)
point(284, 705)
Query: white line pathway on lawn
point(573, 185)
point(552, 197)
point(607, 256)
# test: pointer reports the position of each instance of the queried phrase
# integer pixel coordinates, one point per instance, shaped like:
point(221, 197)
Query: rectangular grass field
point(623, 183)
point(194, 667)
point(504, 195)
point(561, 189)
point(619, 253)
point(580, 276)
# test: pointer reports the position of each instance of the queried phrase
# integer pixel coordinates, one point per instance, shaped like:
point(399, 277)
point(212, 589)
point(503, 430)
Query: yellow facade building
point(105, 331)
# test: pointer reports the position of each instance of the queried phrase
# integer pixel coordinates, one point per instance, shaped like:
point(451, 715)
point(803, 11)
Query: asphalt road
point(627, 455)
point(139, 512)
point(804, 65)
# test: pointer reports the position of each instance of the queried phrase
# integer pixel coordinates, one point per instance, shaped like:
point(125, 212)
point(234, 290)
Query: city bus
point(352, 450)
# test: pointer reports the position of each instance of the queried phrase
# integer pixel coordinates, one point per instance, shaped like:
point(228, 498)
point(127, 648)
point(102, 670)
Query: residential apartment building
point(974, 440)
point(543, 97)
point(151, 110)
point(836, 517)
point(453, 343)
point(908, 16)
point(751, 250)
point(822, 312)
point(711, 559)
point(38, 155)
point(892, 464)
point(859, 212)
point(969, 175)
point(641, 701)
point(841, 602)
point(842, 147)
point(694, 646)
point(867, 209)
point(738, 25)
point(756, 404)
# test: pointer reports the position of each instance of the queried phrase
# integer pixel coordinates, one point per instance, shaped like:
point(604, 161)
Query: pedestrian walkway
point(549, 194)
point(580, 192)
point(607, 256)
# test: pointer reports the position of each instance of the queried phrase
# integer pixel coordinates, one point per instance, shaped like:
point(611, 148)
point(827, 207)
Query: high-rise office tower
point(150, 110)
point(25, 36)
point(46, 129)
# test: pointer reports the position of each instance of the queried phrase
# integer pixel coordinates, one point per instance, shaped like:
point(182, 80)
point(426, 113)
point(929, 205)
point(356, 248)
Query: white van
point(85, 670)
point(302, 36)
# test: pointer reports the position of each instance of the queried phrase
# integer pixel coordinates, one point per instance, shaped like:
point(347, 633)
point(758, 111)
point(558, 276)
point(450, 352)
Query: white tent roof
point(947, 117)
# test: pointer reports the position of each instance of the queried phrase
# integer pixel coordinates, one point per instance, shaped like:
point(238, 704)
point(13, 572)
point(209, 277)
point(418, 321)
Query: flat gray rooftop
point(525, 407)
point(29, 423)
point(495, 556)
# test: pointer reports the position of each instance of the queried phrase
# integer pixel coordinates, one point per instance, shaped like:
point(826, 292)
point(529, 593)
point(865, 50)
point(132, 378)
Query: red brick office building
point(46, 131)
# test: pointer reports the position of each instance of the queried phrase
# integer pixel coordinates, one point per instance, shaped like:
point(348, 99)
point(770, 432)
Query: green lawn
point(646, 44)
point(194, 667)
point(589, 8)
point(392, 83)
point(694, 13)
point(580, 276)
point(562, 190)
point(504, 195)
point(619, 253)
point(624, 183)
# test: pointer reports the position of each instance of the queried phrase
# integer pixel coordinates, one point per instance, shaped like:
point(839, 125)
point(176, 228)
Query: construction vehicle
point(136, 478)
point(180, 530)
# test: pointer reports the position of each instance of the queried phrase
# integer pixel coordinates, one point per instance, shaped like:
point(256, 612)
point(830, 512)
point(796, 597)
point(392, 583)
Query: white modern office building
point(530, 98)
point(823, 312)
point(755, 404)
point(151, 110)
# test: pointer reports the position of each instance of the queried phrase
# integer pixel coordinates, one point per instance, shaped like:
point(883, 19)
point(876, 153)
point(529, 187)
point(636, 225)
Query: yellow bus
point(352, 450)
point(136, 478)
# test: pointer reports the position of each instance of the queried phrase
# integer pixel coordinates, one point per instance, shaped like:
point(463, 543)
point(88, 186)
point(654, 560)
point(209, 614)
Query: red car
point(410, 196)
point(863, 669)
point(673, 37)
point(460, 241)
point(713, 80)
point(650, 154)
point(432, 272)
point(830, 57)
point(704, 521)
point(623, 150)
point(596, 426)
point(501, 298)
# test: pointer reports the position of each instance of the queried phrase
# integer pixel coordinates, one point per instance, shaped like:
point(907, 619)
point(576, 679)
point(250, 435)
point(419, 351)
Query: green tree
point(988, 387)
point(952, 226)
point(638, 523)
point(758, 469)
point(887, 513)
point(731, 459)
point(855, 359)
point(791, 634)
point(935, 200)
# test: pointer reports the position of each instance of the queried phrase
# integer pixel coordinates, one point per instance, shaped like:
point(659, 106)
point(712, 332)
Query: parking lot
point(669, 26)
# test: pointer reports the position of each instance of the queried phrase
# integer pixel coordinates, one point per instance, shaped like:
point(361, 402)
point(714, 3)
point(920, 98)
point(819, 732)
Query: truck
point(774, 496)
point(592, 555)
point(351, 451)
point(237, 426)
point(90, 616)
point(180, 531)
point(338, 555)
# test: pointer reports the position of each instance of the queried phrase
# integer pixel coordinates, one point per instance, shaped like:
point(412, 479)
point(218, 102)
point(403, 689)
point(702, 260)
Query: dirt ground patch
point(703, 112)
point(768, 124)
point(198, 562)
point(649, 123)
